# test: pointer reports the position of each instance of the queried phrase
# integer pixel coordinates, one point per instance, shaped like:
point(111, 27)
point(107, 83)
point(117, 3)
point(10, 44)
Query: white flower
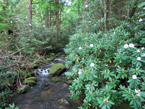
point(139, 58)
point(43, 25)
point(29, 24)
point(86, 6)
point(92, 64)
point(131, 45)
point(134, 77)
point(80, 48)
point(79, 72)
point(137, 92)
point(140, 20)
point(91, 45)
point(143, 55)
point(114, 32)
point(11, 21)
point(138, 51)
point(142, 48)
point(143, 7)
point(126, 46)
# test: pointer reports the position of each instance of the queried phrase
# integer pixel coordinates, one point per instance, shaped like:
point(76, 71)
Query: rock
point(55, 79)
point(69, 82)
point(63, 101)
point(23, 89)
point(56, 69)
point(45, 86)
point(30, 82)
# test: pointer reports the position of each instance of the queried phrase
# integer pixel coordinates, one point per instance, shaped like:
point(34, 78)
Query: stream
point(42, 98)
point(46, 94)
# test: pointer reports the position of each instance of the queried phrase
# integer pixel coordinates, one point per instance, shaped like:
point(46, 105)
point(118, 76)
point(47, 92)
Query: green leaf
point(141, 5)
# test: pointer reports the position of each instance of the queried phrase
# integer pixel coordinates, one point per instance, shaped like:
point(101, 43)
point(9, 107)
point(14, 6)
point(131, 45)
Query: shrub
point(108, 67)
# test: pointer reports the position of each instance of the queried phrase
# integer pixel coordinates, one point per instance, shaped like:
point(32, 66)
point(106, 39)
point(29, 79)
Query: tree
point(30, 11)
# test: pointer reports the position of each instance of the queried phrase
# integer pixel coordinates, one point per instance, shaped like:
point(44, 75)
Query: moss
point(23, 89)
point(55, 79)
point(57, 69)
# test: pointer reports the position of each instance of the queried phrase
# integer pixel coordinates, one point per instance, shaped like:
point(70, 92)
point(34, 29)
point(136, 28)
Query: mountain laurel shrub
point(108, 67)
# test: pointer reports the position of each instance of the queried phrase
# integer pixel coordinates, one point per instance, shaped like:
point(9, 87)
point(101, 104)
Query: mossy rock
point(30, 82)
point(23, 89)
point(56, 69)
point(55, 79)
point(63, 101)
point(69, 82)
point(32, 78)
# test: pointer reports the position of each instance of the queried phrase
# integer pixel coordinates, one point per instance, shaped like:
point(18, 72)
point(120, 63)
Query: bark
point(120, 6)
point(109, 3)
point(29, 11)
point(57, 20)
point(105, 16)
point(47, 18)
point(85, 17)
point(50, 20)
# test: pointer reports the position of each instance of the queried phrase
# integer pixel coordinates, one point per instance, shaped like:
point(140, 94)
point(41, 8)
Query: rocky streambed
point(49, 92)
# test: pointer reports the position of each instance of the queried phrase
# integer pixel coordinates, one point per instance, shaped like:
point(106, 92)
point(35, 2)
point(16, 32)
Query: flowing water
point(38, 98)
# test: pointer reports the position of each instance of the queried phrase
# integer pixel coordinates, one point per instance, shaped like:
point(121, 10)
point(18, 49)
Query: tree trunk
point(50, 20)
point(29, 11)
point(134, 8)
point(105, 16)
point(57, 20)
point(108, 13)
point(47, 18)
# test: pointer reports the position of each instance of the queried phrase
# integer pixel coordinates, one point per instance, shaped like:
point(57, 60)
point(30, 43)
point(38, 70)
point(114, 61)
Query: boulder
point(55, 79)
point(56, 69)
point(23, 89)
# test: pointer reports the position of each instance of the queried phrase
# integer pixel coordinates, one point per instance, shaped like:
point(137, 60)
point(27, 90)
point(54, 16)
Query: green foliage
point(108, 67)
point(7, 79)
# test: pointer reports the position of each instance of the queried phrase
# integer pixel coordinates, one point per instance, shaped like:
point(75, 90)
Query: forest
point(99, 46)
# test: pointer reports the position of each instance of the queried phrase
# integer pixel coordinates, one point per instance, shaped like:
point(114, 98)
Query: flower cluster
point(130, 45)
